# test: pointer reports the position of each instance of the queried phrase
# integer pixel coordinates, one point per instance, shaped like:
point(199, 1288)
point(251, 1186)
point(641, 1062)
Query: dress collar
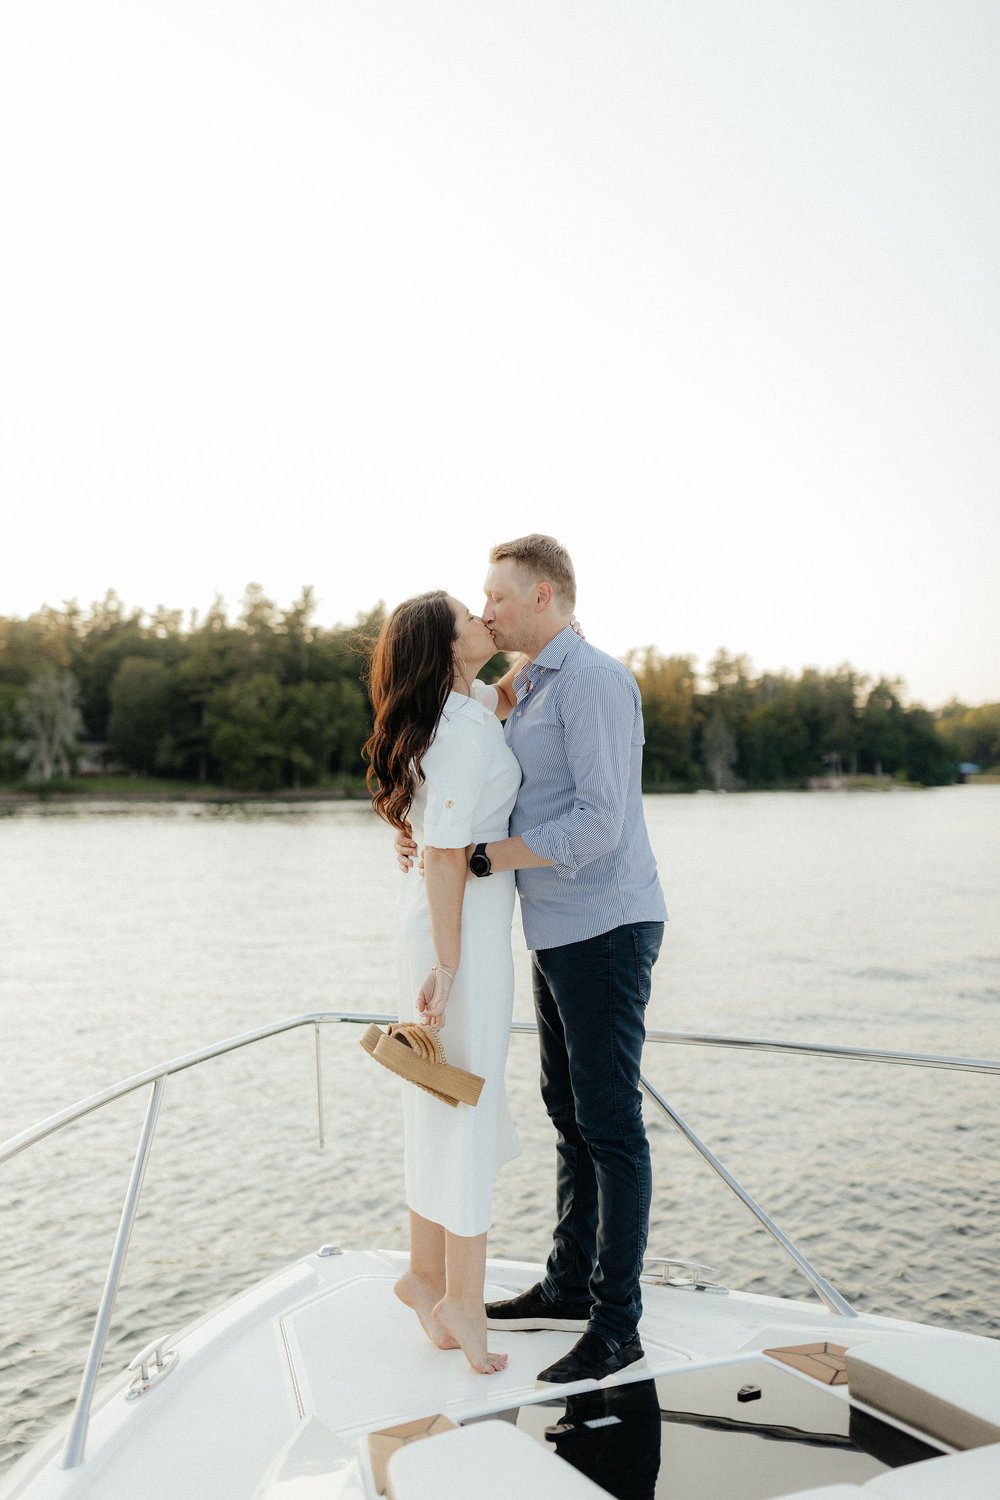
point(456, 700)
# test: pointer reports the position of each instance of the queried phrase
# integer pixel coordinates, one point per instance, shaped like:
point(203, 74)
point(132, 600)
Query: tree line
point(778, 729)
point(265, 702)
point(273, 701)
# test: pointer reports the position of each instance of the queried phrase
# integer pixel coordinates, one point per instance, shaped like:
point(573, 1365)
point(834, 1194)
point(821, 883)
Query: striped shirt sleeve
point(599, 716)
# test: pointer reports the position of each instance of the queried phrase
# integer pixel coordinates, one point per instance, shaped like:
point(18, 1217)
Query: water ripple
point(887, 1178)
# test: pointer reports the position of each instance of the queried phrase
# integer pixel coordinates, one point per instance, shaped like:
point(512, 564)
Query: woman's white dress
point(470, 783)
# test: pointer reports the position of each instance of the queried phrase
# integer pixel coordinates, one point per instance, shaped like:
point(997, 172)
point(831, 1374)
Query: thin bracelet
point(440, 969)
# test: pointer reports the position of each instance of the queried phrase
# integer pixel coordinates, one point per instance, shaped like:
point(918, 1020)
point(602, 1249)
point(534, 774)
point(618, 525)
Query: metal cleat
point(161, 1361)
point(681, 1273)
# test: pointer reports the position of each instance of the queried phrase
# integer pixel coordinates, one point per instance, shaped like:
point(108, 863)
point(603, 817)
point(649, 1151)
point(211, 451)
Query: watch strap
point(480, 859)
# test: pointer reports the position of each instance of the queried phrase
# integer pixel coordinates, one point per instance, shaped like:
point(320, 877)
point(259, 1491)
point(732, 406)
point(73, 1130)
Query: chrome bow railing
point(73, 1449)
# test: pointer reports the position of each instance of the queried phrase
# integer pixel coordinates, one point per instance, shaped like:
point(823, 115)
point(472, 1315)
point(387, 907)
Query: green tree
point(719, 752)
point(258, 643)
point(732, 683)
point(142, 713)
point(50, 724)
point(203, 671)
point(307, 728)
point(25, 654)
point(244, 738)
point(929, 760)
point(723, 713)
point(106, 636)
point(972, 734)
point(840, 750)
point(984, 726)
point(667, 685)
point(207, 665)
point(777, 746)
point(298, 636)
point(882, 730)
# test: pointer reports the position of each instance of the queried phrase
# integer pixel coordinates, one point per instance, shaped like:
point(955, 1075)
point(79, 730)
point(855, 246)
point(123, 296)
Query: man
point(593, 915)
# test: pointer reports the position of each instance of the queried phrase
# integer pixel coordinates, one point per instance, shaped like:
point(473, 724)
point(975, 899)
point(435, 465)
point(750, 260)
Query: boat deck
point(287, 1380)
point(281, 1394)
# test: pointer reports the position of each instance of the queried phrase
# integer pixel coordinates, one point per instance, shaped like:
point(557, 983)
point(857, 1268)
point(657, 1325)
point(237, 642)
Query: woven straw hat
point(416, 1053)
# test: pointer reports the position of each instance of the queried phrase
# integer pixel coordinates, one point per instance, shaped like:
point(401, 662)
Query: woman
point(439, 765)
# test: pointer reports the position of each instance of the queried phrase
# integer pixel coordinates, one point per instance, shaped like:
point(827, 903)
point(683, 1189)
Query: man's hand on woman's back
point(405, 846)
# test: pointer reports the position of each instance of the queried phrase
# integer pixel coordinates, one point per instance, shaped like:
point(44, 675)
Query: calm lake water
point(130, 936)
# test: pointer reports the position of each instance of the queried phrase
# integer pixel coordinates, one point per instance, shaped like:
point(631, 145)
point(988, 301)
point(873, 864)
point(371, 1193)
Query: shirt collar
point(555, 653)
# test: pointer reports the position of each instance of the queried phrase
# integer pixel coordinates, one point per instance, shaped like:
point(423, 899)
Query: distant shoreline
point(101, 794)
point(11, 798)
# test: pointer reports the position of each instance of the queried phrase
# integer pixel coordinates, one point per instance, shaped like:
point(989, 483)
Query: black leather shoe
point(530, 1310)
point(591, 1358)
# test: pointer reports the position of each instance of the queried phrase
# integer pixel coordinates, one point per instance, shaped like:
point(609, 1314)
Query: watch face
point(479, 864)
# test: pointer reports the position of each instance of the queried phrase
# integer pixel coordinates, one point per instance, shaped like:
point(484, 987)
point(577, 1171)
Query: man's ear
point(543, 594)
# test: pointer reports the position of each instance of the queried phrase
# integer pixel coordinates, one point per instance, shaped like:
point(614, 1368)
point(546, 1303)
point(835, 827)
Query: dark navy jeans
point(590, 1000)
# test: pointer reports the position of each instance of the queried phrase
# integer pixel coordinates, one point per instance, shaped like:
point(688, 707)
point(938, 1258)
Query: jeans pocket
point(646, 945)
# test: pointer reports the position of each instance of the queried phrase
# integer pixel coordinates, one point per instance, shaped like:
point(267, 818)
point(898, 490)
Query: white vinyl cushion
point(314, 1464)
point(974, 1475)
point(829, 1492)
point(946, 1386)
point(485, 1461)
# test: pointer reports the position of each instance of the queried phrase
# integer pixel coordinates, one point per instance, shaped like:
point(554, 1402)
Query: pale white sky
point(342, 291)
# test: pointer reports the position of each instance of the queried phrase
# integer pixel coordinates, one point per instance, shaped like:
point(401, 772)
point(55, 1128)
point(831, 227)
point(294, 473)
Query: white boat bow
point(292, 1389)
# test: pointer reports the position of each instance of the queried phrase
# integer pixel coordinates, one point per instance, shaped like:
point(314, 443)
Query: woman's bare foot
point(466, 1322)
point(421, 1296)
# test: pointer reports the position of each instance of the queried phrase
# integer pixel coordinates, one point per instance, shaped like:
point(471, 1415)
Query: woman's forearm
point(506, 700)
point(445, 872)
point(513, 854)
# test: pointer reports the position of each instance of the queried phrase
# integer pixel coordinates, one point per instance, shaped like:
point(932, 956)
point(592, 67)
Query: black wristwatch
point(480, 863)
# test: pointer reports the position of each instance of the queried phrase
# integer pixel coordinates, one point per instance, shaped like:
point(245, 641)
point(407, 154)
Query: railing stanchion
point(319, 1087)
point(72, 1453)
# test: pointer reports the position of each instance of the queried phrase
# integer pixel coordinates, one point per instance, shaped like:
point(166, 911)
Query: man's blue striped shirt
point(577, 732)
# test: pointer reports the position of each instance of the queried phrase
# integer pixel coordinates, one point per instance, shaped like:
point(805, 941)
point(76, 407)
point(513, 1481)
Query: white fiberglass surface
point(329, 1341)
point(394, 1371)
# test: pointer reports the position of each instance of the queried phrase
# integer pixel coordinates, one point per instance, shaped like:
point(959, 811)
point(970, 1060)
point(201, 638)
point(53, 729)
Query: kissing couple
point(530, 784)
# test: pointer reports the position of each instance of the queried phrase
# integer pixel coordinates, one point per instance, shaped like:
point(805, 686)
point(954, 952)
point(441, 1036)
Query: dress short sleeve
point(486, 694)
point(454, 770)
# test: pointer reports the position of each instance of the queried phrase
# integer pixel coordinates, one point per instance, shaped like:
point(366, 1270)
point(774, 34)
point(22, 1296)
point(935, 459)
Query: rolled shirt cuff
point(447, 834)
point(549, 842)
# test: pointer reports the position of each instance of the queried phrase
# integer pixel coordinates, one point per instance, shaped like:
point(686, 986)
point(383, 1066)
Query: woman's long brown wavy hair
point(412, 670)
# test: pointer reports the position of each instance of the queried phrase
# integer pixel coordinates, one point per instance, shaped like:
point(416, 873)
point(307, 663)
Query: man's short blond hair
point(541, 559)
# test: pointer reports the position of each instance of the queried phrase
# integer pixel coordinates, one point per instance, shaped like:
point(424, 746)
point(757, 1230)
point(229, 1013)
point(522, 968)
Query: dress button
point(449, 803)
